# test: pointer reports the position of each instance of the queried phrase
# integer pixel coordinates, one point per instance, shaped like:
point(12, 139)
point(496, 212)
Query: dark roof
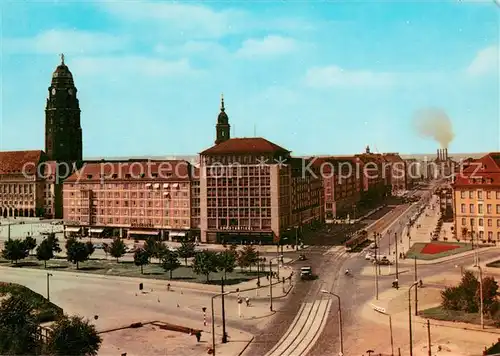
point(12, 162)
point(172, 170)
point(243, 145)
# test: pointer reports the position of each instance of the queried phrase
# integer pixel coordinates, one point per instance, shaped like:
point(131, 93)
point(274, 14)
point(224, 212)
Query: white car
point(369, 256)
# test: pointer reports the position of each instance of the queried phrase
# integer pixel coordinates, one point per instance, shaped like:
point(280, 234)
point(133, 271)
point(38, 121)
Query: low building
point(23, 184)
point(476, 199)
point(396, 173)
point(131, 199)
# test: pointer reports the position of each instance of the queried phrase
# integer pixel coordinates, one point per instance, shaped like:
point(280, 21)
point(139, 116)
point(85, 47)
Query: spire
point(62, 58)
point(222, 108)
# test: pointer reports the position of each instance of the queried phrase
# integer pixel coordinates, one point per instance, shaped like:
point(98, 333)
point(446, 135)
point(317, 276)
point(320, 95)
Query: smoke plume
point(434, 123)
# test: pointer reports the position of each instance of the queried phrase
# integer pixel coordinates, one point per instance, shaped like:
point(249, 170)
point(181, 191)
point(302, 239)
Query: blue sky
point(314, 77)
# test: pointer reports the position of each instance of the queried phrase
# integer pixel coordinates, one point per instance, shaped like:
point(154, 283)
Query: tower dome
point(222, 118)
point(62, 77)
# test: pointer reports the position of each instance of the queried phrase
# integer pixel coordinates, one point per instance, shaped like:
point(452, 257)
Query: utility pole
point(392, 339)
point(270, 286)
point(376, 278)
point(429, 338)
point(397, 256)
point(416, 288)
point(8, 231)
point(224, 336)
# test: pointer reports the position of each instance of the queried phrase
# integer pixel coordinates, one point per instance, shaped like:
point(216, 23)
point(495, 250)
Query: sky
point(314, 77)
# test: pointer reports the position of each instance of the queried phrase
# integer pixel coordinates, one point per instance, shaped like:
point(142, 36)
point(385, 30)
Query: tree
point(227, 261)
point(30, 243)
point(250, 255)
point(15, 250)
point(54, 242)
point(73, 336)
point(117, 248)
point(76, 252)
point(170, 262)
point(490, 291)
point(151, 247)
point(90, 248)
point(186, 250)
point(205, 262)
point(141, 258)
point(44, 252)
point(17, 326)
point(105, 248)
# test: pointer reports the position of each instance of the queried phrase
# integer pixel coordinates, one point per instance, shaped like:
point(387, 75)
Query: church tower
point(223, 129)
point(63, 133)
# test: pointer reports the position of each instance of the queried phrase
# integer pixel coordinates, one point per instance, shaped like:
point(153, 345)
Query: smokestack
point(445, 154)
point(438, 154)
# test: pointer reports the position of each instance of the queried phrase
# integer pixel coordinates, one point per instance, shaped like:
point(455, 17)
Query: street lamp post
point(48, 286)
point(409, 318)
point(341, 353)
point(481, 305)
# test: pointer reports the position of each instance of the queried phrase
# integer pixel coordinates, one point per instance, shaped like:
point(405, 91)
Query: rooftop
point(484, 171)
point(244, 145)
point(16, 162)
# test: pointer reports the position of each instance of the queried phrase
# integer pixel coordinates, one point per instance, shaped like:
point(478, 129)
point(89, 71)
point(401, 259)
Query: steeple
point(367, 150)
point(223, 129)
point(63, 133)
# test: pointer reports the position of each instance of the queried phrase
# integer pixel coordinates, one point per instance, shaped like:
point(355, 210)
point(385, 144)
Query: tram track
point(311, 318)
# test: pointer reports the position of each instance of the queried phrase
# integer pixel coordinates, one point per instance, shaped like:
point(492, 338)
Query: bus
point(358, 239)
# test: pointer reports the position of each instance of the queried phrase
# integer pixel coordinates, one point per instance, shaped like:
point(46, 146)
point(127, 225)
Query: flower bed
point(434, 248)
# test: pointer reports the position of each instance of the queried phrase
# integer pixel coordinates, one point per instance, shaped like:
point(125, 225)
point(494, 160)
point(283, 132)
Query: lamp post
point(409, 317)
point(48, 286)
point(481, 305)
point(341, 353)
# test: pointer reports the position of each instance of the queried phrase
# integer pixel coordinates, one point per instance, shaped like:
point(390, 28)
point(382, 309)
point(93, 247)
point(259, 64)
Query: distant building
point(476, 193)
point(134, 199)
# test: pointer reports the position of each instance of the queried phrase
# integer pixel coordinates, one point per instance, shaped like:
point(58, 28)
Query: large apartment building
point(133, 199)
point(476, 190)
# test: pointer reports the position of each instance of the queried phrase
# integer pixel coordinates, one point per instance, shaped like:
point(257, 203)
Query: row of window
point(140, 212)
point(480, 208)
point(235, 202)
point(127, 221)
point(242, 224)
point(235, 213)
point(17, 202)
point(480, 222)
point(16, 188)
point(471, 194)
point(121, 186)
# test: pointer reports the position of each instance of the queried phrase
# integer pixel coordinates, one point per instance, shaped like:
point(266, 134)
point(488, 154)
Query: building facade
point(397, 173)
point(131, 199)
point(22, 184)
point(476, 199)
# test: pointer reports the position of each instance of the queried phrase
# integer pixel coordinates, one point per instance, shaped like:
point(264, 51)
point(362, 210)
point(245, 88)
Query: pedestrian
point(247, 301)
point(198, 335)
point(168, 287)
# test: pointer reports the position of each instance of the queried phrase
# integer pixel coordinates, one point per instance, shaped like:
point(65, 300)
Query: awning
point(73, 229)
point(97, 231)
point(177, 233)
point(166, 194)
point(143, 232)
point(148, 185)
point(165, 185)
point(175, 185)
point(156, 185)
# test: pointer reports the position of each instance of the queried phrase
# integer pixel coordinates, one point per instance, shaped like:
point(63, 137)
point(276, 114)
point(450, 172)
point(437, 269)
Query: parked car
point(98, 246)
point(302, 257)
point(369, 256)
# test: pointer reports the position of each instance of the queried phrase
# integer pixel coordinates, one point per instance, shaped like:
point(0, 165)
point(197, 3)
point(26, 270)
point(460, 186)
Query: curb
point(246, 346)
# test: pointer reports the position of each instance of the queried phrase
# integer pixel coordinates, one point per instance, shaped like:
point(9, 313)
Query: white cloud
point(269, 46)
point(131, 65)
point(332, 76)
point(485, 62)
point(186, 19)
point(66, 41)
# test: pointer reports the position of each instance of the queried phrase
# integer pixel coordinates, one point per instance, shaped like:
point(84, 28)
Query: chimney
point(438, 154)
point(445, 154)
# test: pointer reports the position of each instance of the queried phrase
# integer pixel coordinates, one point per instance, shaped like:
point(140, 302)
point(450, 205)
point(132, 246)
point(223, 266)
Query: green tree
point(250, 255)
point(44, 252)
point(30, 243)
point(117, 248)
point(15, 250)
point(170, 262)
point(469, 286)
point(105, 248)
point(54, 242)
point(490, 292)
point(186, 250)
point(17, 326)
point(90, 248)
point(73, 336)
point(227, 261)
point(141, 258)
point(151, 245)
point(76, 252)
point(205, 262)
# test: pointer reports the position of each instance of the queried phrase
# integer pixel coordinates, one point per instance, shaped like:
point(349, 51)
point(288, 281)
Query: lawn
point(438, 313)
point(434, 250)
point(45, 310)
point(129, 269)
